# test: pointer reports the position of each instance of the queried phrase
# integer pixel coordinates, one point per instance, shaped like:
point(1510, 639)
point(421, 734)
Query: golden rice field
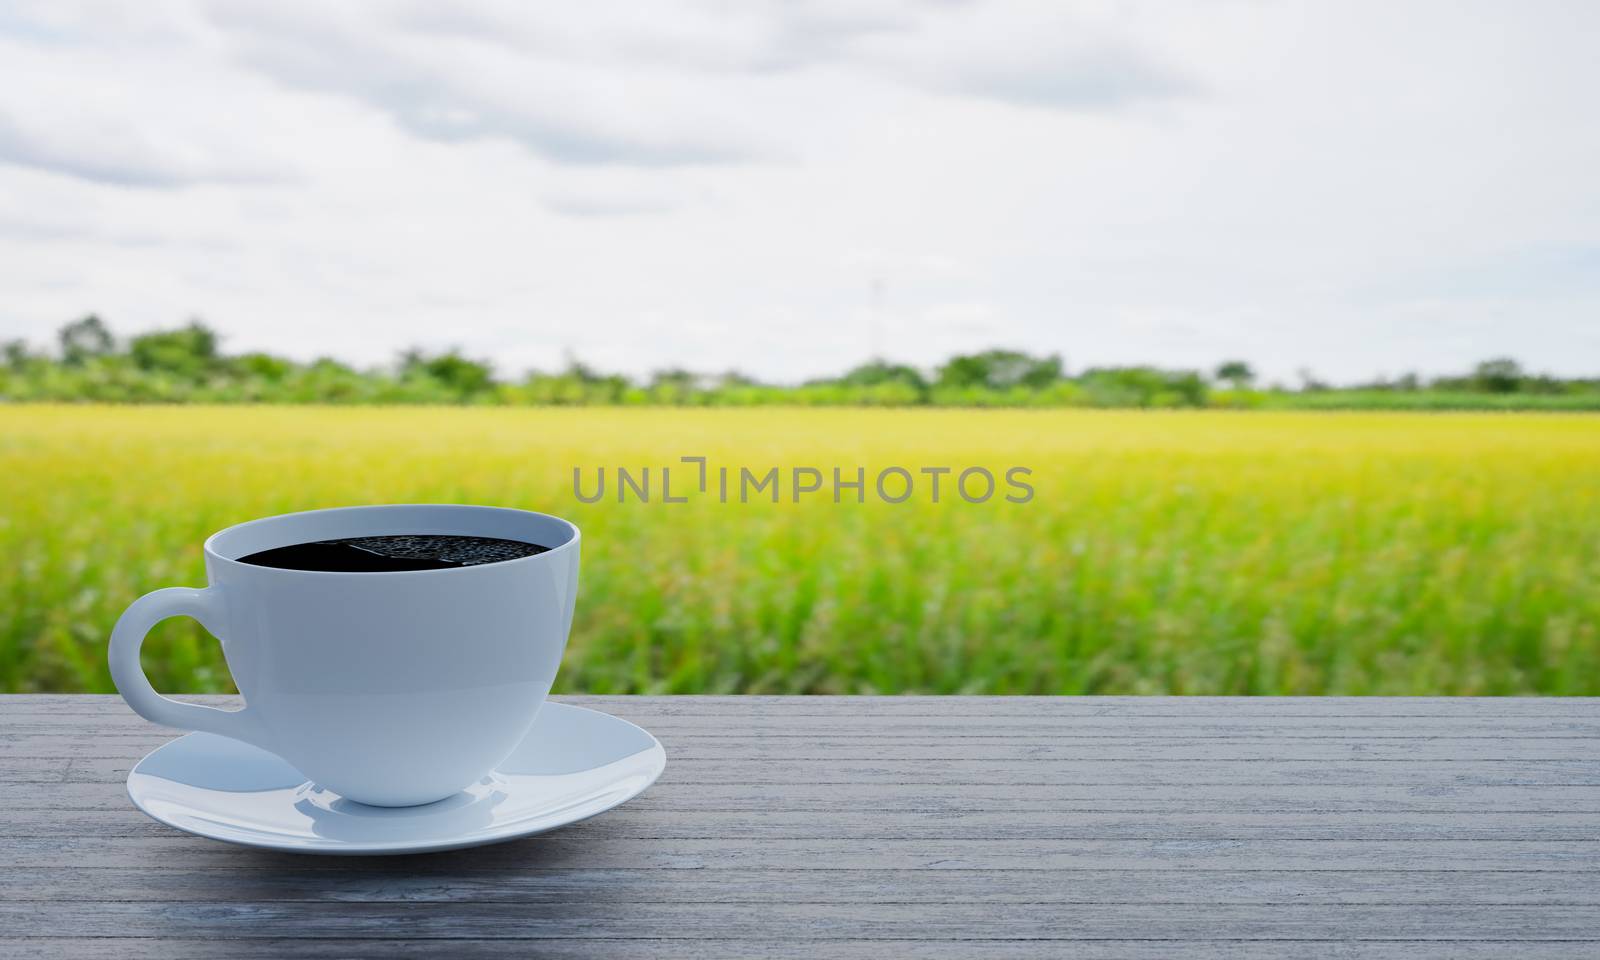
point(1183, 552)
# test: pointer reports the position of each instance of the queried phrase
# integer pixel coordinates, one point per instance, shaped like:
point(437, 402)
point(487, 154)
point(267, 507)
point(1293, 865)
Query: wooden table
point(825, 827)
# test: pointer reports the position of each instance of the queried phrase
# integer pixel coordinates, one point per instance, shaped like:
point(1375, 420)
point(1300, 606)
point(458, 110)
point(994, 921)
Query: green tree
point(459, 375)
point(674, 385)
point(1000, 370)
point(84, 339)
point(16, 354)
point(1143, 387)
point(188, 352)
point(590, 385)
point(1236, 373)
point(263, 365)
point(1500, 375)
point(881, 373)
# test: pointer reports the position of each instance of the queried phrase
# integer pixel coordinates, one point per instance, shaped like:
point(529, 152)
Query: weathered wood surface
point(1115, 828)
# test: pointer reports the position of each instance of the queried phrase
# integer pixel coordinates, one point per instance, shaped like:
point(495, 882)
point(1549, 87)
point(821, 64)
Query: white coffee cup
point(390, 689)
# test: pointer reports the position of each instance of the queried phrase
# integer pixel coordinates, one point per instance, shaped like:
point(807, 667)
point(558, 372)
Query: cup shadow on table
point(520, 871)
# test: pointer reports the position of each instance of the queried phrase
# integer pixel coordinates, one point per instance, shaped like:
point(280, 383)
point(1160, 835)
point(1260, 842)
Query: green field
point(1177, 552)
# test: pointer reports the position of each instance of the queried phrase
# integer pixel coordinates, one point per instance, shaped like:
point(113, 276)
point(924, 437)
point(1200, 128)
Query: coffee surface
point(393, 553)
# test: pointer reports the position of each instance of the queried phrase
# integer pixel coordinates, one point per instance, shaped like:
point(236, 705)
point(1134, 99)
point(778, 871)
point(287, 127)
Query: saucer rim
point(512, 831)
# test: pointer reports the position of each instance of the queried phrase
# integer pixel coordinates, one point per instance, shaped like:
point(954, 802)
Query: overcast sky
point(789, 188)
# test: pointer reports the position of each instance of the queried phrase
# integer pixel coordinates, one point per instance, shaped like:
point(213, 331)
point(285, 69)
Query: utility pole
point(876, 318)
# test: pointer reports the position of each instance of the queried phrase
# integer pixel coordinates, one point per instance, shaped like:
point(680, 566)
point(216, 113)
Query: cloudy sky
point(789, 188)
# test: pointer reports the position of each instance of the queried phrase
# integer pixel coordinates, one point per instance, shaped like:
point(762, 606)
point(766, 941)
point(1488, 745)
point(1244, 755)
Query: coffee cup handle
point(128, 636)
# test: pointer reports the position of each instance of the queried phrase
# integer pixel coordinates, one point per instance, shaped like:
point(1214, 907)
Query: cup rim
point(212, 556)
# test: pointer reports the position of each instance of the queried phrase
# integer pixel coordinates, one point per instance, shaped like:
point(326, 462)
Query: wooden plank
point(669, 795)
point(418, 880)
point(868, 921)
point(115, 724)
point(793, 708)
point(710, 948)
point(641, 822)
point(757, 707)
point(86, 746)
point(175, 851)
point(780, 772)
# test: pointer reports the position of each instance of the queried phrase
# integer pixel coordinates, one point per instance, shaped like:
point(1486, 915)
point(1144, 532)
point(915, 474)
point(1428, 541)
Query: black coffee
point(393, 553)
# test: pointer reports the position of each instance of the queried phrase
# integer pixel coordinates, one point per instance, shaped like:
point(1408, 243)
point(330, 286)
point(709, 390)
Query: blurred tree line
point(186, 365)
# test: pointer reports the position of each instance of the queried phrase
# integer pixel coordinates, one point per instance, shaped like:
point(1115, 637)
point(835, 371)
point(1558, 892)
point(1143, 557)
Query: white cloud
point(1059, 56)
point(71, 109)
point(465, 83)
point(657, 86)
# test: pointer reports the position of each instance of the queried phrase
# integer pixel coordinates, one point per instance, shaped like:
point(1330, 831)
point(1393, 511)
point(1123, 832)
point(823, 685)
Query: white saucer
point(573, 764)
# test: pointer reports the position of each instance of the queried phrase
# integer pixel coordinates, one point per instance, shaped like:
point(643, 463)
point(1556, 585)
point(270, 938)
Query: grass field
point(1197, 552)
